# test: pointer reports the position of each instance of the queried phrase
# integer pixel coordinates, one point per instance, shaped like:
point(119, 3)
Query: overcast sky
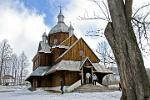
point(22, 22)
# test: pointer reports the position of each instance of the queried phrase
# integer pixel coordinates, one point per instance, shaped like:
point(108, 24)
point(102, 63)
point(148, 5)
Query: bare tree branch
point(140, 9)
point(92, 18)
point(107, 11)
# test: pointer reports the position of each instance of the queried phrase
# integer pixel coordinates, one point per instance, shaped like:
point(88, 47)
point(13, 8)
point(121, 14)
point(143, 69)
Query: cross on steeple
point(60, 8)
point(60, 16)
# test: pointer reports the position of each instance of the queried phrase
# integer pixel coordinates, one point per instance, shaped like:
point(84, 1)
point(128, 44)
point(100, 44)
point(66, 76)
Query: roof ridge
point(68, 38)
point(84, 60)
point(74, 45)
point(75, 66)
point(90, 48)
point(44, 47)
point(65, 40)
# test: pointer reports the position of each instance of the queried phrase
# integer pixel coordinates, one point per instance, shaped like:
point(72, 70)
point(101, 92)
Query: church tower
point(59, 32)
point(44, 37)
point(59, 57)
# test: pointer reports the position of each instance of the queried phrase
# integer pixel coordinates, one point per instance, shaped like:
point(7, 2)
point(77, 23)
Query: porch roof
point(69, 65)
point(40, 71)
point(101, 68)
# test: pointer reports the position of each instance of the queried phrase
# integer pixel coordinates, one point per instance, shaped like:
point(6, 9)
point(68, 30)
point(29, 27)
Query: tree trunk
point(21, 76)
point(15, 80)
point(1, 65)
point(1, 70)
point(121, 37)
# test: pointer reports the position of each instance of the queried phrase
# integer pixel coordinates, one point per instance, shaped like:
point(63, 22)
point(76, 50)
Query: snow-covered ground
point(21, 93)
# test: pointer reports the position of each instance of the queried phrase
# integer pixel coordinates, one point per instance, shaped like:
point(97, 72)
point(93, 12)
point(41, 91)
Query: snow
point(22, 93)
point(73, 86)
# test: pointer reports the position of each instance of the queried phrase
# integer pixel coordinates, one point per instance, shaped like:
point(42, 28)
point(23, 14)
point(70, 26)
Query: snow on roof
point(60, 26)
point(65, 65)
point(101, 68)
point(69, 65)
point(44, 47)
point(60, 46)
point(40, 71)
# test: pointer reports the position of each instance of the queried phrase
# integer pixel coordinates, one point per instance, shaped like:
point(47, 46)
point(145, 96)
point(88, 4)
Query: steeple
point(60, 26)
point(70, 29)
point(60, 17)
point(44, 37)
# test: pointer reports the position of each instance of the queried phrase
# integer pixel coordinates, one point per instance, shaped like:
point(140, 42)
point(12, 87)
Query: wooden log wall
point(69, 41)
point(53, 79)
point(71, 77)
point(41, 59)
point(46, 81)
point(56, 52)
point(74, 52)
point(57, 38)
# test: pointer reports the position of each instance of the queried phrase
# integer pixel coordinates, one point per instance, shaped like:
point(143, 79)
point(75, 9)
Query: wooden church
point(62, 56)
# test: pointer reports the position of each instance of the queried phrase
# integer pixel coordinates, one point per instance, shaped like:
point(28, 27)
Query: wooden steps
point(93, 88)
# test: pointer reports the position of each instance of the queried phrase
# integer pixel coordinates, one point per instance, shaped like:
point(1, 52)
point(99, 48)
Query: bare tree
point(11, 65)
point(122, 39)
point(23, 65)
point(5, 53)
point(107, 59)
point(141, 24)
point(7, 78)
point(14, 67)
point(105, 53)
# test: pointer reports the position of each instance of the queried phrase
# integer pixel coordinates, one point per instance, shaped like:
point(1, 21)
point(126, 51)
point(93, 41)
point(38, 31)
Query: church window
point(55, 41)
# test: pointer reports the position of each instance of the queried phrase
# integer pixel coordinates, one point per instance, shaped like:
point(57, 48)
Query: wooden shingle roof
point(69, 65)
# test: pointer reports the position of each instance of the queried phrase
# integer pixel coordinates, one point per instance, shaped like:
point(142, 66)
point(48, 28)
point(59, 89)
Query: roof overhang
point(68, 65)
point(39, 71)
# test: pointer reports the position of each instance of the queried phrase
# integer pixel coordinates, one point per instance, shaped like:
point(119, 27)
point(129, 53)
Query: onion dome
point(44, 37)
point(61, 26)
point(70, 29)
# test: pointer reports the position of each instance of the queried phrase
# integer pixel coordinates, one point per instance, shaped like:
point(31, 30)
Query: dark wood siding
point(71, 77)
point(46, 81)
point(69, 41)
point(56, 77)
point(59, 37)
point(74, 52)
point(56, 52)
point(41, 59)
point(53, 79)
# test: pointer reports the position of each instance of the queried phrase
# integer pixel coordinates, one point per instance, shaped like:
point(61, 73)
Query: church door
point(87, 74)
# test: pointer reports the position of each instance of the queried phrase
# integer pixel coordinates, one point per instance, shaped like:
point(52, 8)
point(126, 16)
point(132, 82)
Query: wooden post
point(82, 77)
point(92, 73)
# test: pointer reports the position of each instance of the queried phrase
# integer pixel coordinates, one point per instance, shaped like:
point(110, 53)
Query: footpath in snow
point(22, 93)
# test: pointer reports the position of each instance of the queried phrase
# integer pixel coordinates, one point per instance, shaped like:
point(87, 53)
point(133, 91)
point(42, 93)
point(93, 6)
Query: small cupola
point(44, 37)
point(71, 30)
point(60, 17)
point(60, 26)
